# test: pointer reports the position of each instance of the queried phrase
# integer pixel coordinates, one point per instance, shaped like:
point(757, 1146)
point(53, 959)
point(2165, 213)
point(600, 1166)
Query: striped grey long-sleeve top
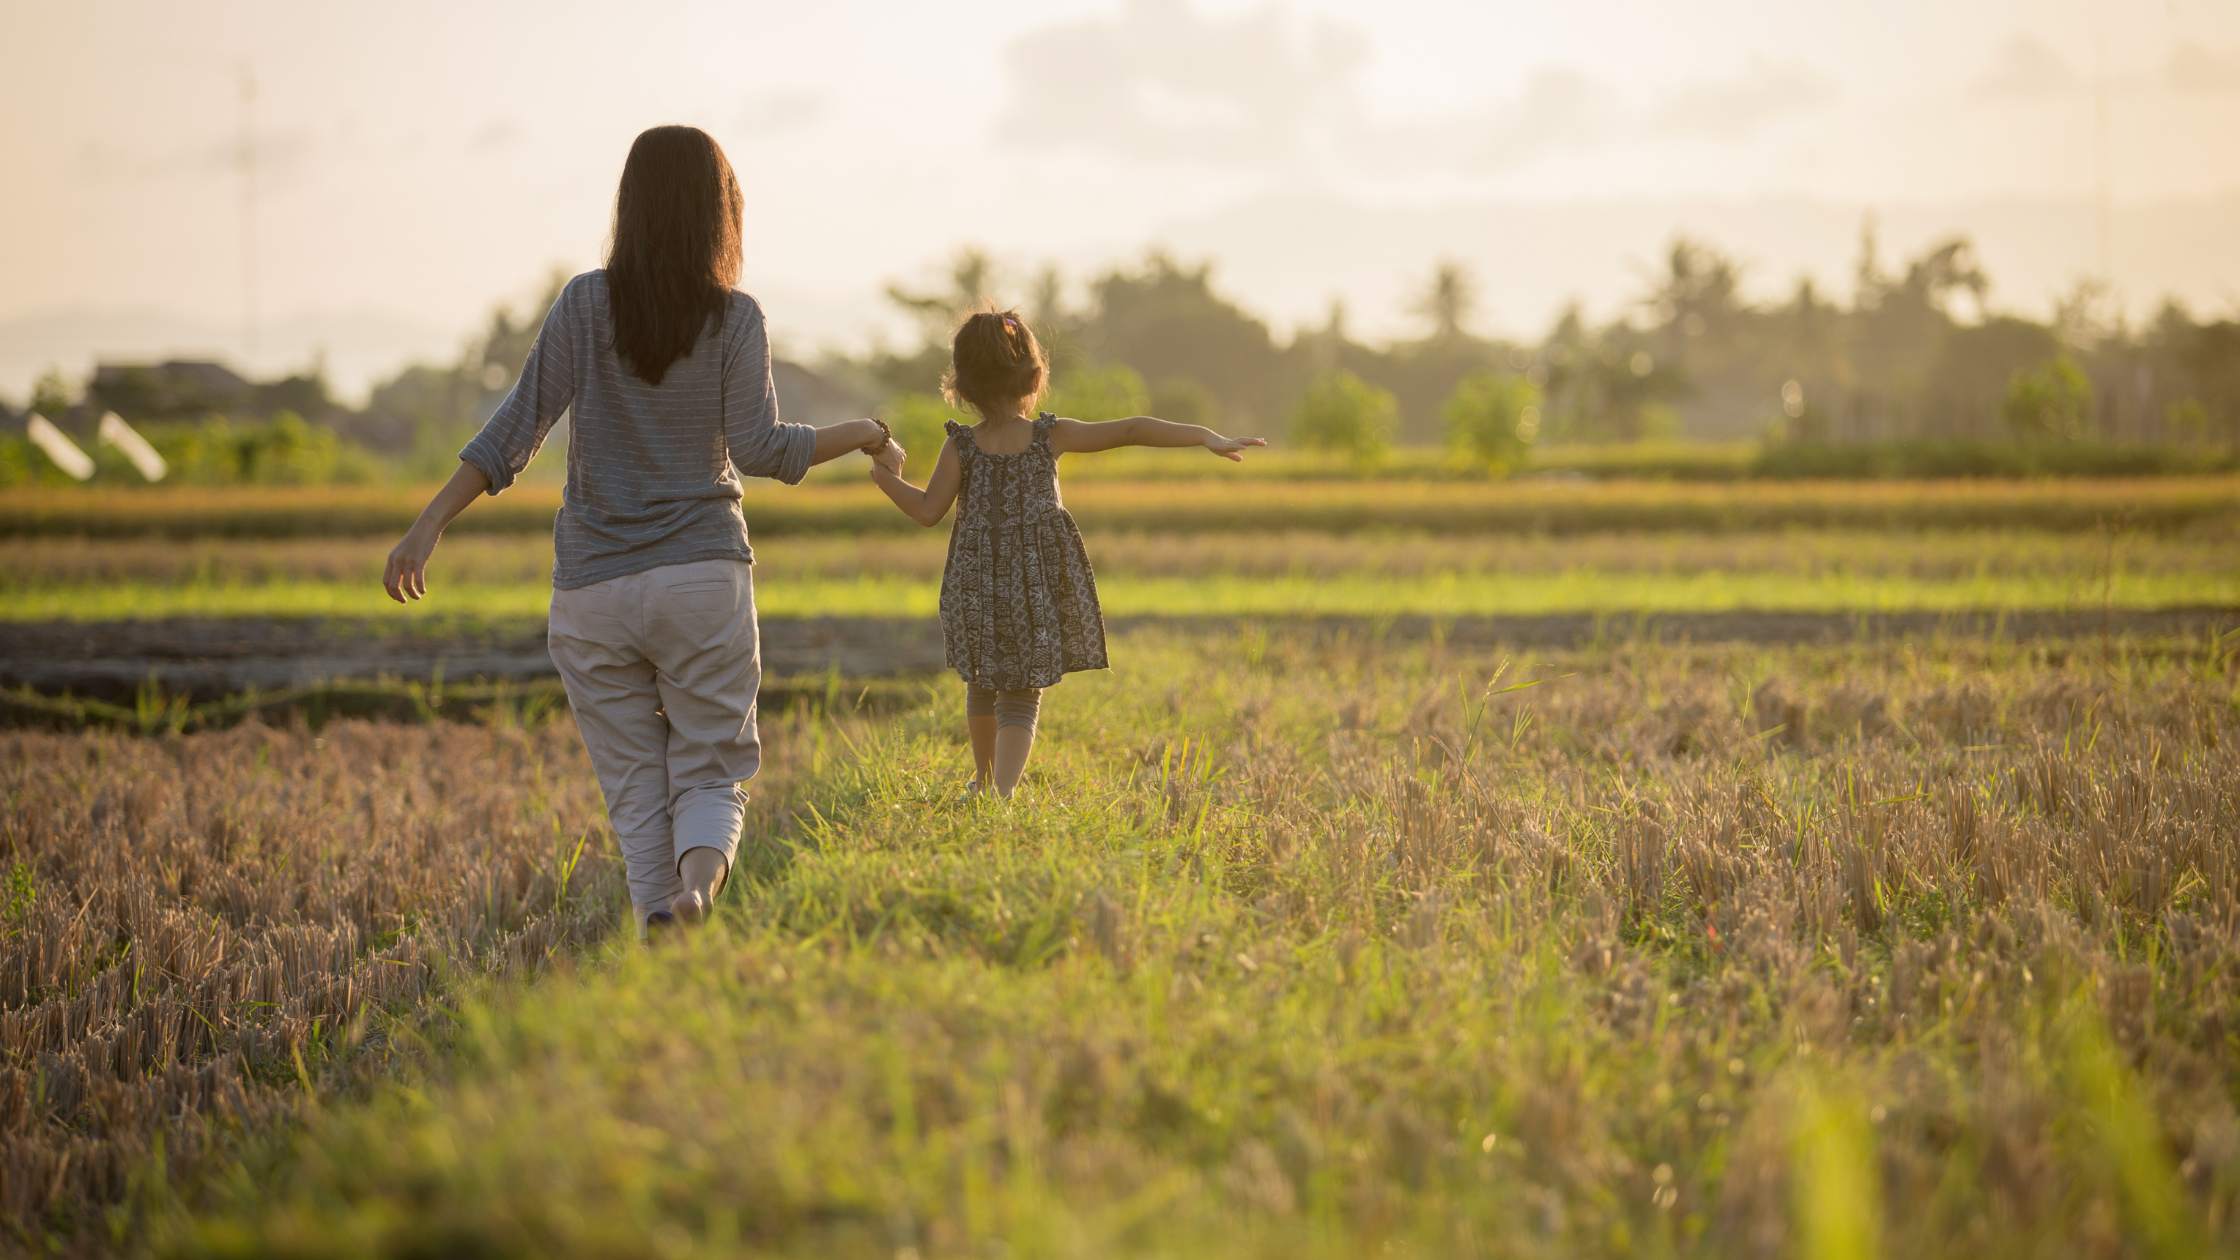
point(653, 470)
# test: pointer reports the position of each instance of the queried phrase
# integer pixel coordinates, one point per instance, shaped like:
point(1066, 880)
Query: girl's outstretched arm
point(1081, 437)
point(926, 506)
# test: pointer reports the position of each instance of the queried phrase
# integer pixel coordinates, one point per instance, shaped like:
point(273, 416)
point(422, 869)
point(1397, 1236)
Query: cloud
point(2195, 70)
point(1161, 82)
point(2025, 67)
point(777, 112)
point(1558, 107)
point(498, 135)
point(1734, 108)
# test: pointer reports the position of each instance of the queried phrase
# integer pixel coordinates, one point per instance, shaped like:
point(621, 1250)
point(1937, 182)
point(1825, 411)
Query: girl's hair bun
point(995, 362)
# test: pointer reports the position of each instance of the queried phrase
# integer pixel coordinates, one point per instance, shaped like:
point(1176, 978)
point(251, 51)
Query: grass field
point(1238, 502)
point(1258, 574)
point(196, 926)
point(1292, 945)
point(1286, 949)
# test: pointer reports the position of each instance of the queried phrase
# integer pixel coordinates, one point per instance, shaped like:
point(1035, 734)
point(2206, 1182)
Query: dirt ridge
point(210, 658)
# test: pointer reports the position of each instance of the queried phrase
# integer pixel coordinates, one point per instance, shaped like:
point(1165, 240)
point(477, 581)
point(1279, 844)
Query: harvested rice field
point(1227, 500)
point(1247, 573)
point(1289, 946)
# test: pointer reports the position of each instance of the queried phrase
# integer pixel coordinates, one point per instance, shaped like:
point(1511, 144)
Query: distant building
point(439, 402)
point(178, 389)
point(808, 397)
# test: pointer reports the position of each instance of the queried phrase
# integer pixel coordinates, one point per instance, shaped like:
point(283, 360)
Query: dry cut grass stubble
point(202, 933)
point(1304, 947)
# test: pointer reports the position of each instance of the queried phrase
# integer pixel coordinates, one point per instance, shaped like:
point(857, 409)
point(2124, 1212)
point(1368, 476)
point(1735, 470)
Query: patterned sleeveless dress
point(1018, 602)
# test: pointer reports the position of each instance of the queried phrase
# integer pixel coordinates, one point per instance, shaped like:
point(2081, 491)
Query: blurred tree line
point(427, 412)
point(1916, 374)
point(1917, 356)
point(210, 427)
point(226, 431)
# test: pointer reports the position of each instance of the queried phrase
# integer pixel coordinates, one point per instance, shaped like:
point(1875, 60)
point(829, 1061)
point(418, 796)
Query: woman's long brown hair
point(676, 252)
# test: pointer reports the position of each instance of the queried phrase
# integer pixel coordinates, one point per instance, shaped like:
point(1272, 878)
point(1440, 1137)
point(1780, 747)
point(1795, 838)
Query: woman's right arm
point(497, 454)
point(929, 505)
point(517, 430)
point(406, 577)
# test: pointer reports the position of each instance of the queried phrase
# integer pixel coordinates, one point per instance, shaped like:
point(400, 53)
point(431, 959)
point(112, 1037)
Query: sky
point(418, 162)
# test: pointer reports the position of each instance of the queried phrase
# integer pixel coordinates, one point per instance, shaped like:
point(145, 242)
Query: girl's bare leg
point(983, 729)
point(1013, 745)
point(704, 873)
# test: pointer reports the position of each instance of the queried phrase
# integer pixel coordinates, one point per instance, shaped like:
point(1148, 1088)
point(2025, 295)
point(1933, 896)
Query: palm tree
point(1449, 301)
point(971, 277)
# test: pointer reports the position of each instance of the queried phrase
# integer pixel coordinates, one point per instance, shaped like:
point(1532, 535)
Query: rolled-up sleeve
point(518, 428)
point(760, 445)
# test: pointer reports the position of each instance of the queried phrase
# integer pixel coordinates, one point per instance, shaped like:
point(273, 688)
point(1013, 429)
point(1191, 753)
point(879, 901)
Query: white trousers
point(661, 669)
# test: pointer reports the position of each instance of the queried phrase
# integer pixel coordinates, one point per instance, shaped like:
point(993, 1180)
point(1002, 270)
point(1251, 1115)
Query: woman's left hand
point(1232, 449)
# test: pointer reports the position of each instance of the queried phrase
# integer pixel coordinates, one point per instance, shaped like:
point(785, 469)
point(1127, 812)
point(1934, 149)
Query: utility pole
point(248, 211)
point(2103, 198)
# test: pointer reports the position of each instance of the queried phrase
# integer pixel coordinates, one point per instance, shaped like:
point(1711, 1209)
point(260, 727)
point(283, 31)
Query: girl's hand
point(890, 456)
point(1232, 449)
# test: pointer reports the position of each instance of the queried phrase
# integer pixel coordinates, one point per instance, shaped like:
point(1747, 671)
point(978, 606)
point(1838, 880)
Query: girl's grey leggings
point(1010, 708)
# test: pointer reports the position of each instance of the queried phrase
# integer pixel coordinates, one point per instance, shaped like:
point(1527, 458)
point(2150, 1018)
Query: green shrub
point(1492, 421)
point(1185, 400)
point(22, 464)
point(2188, 421)
point(283, 451)
point(2051, 400)
point(1343, 413)
point(1966, 458)
point(1093, 394)
point(918, 422)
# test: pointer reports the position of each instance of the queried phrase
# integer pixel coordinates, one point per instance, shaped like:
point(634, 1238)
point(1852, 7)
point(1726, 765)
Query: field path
point(212, 658)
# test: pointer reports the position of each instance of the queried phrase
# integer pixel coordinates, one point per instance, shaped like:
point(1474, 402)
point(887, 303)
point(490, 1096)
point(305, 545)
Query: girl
point(1018, 602)
point(666, 365)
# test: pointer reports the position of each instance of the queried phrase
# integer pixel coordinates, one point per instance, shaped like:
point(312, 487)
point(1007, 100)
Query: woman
point(667, 367)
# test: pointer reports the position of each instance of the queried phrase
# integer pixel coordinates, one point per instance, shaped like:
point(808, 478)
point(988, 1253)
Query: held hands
point(885, 451)
point(1231, 449)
